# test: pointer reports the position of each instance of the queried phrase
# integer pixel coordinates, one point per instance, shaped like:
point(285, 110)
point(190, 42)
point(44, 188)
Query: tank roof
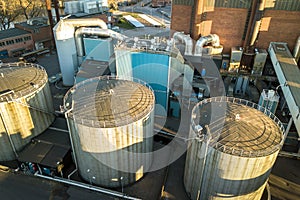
point(109, 102)
point(238, 127)
point(20, 79)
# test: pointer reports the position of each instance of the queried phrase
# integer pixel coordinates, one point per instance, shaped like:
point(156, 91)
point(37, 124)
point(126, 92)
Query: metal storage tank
point(235, 144)
point(26, 107)
point(111, 125)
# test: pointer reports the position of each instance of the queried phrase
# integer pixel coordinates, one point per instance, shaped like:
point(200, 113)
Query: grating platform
point(237, 127)
point(110, 103)
point(20, 79)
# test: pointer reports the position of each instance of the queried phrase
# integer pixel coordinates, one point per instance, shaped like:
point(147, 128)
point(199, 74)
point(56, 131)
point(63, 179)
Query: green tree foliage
point(20, 10)
point(9, 12)
point(32, 8)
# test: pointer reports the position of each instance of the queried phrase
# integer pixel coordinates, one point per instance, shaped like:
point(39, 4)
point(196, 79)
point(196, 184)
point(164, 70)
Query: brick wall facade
point(279, 26)
point(230, 24)
point(40, 34)
point(181, 18)
point(17, 47)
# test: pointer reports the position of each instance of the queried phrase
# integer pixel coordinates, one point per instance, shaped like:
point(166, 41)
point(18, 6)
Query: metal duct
point(187, 40)
point(65, 44)
point(211, 38)
point(66, 27)
point(93, 32)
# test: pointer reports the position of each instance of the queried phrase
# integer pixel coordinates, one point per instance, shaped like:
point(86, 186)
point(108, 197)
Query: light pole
point(88, 171)
point(121, 178)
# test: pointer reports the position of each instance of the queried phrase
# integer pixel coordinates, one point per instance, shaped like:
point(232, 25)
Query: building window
point(27, 38)
point(10, 42)
point(2, 44)
point(18, 40)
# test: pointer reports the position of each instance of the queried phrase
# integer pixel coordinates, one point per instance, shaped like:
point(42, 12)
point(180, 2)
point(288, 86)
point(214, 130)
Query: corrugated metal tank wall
point(93, 147)
point(24, 117)
point(232, 157)
point(225, 176)
point(104, 153)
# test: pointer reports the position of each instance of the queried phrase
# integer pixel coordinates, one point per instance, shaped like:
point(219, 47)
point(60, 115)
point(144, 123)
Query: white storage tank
point(111, 125)
point(26, 107)
point(234, 148)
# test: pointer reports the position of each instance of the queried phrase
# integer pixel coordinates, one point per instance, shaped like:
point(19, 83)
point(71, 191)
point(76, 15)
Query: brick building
point(14, 42)
point(40, 30)
point(239, 23)
point(160, 3)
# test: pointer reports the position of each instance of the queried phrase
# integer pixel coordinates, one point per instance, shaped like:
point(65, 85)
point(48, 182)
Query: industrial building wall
point(181, 17)
point(228, 19)
point(227, 23)
point(279, 26)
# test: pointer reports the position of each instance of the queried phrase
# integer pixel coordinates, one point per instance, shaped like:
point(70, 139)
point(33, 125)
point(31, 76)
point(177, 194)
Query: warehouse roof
point(12, 32)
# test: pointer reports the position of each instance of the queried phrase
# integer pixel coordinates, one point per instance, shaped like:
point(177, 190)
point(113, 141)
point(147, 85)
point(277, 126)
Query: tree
point(32, 8)
point(9, 12)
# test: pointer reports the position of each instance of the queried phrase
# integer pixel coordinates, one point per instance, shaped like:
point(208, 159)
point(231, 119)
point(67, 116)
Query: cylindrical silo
point(111, 125)
point(234, 144)
point(26, 107)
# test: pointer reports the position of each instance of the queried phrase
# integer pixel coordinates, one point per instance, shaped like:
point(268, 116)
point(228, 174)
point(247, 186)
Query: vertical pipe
point(71, 139)
point(258, 17)
point(55, 2)
point(48, 6)
point(204, 162)
point(250, 23)
point(287, 130)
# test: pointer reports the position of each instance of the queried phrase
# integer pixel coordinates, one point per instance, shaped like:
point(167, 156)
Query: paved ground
point(19, 186)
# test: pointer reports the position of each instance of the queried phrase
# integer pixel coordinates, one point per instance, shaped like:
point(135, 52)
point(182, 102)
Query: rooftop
point(237, 127)
point(34, 25)
point(109, 102)
point(12, 32)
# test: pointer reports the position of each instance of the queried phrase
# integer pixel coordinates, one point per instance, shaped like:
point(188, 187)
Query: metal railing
point(229, 149)
point(26, 91)
point(68, 103)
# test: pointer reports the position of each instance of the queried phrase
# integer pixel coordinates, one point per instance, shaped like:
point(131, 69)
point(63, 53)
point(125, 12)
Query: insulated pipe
point(65, 29)
point(65, 43)
point(211, 38)
point(93, 31)
point(87, 186)
point(187, 40)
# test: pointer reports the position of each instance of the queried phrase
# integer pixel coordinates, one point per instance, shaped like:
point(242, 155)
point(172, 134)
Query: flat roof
point(92, 68)
point(136, 23)
point(12, 32)
point(47, 149)
point(110, 102)
point(237, 127)
point(33, 26)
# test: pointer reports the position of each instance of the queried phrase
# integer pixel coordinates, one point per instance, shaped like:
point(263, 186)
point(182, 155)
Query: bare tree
point(32, 8)
point(9, 12)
